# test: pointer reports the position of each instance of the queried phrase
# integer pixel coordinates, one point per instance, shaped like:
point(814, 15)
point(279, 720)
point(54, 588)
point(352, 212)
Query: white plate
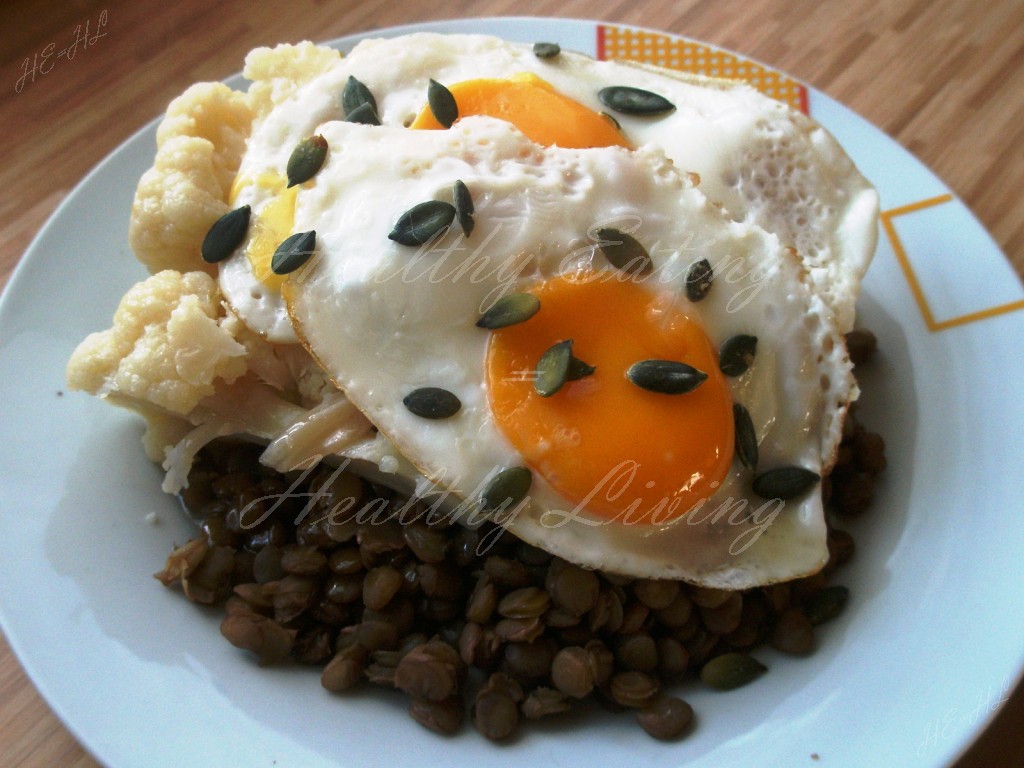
point(930, 644)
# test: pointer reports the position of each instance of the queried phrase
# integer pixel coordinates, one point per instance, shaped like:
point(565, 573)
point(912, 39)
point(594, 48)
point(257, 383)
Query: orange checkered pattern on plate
point(687, 56)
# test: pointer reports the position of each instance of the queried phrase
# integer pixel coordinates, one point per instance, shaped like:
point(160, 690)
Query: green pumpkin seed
point(226, 234)
point(579, 369)
point(746, 437)
point(306, 159)
point(546, 50)
point(463, 206)
point(784, 483)
point(731, 670)
point(421, 223)
point(354, 95)
point(509, 310)
point(634, 101)
point(364, 114)
point(506, 489)
point(737, 354)
point(624, 252)
point(442, 104)
point(827, 604)
point(698, 280)
point(293, 252)
point(432, 403)
point(553, 368)
point(667, 377)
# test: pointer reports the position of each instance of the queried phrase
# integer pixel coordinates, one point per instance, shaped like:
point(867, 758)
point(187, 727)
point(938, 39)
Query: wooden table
point(945, 78)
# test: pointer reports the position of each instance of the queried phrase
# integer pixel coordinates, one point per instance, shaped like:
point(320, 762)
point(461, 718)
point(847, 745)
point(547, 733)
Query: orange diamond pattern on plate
point(687, 56)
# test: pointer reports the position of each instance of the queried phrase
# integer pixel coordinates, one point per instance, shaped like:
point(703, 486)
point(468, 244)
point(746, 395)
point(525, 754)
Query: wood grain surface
point(945, 78)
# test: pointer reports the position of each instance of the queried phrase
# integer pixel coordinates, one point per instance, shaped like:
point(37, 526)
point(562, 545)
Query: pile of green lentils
point(476, 623)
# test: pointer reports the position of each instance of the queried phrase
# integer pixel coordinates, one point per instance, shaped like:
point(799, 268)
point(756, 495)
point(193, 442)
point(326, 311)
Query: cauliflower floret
point(167, 345)
point(195, 372)
point(163, 430)
point(279, 71)
point(176, 202)
point(286, 367)
point(175, 354)
point(213, 112)
point(199, 147)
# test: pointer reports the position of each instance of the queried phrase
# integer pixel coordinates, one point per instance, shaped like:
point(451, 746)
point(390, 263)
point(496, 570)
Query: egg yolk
point(534, 107)
point(609, 447)
point(271, 227)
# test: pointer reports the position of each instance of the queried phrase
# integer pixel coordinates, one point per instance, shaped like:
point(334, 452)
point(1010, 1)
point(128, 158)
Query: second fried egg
point(622, 477)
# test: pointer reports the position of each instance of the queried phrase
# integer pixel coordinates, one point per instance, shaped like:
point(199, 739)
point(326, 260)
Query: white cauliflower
point(163, 429)
point(277, 72)
point(176, 354)
point(217, 114)
point(195, 373)
point(167, 346)
point(199, 147)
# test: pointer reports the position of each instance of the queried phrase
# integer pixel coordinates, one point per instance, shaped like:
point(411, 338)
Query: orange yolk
point(271, 227)
point(535, 108)
point(618, 451)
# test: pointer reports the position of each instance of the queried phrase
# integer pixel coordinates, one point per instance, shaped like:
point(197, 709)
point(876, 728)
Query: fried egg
point(619, 474)
point(622, 476)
